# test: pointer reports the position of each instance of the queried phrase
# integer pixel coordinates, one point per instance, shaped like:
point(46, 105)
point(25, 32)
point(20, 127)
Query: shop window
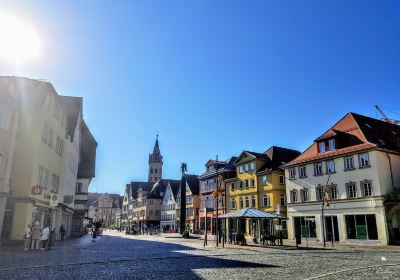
point(361, 227)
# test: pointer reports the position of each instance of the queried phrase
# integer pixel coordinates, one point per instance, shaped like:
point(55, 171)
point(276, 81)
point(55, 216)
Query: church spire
point(155, 163)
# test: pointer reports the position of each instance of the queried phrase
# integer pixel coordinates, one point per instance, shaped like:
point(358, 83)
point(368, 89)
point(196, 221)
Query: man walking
point(45, 237)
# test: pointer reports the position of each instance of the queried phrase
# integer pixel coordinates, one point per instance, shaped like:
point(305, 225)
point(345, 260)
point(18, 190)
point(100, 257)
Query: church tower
point(155, 164)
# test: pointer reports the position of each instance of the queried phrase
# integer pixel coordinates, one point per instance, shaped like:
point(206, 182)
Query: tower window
point(151, 170)
point(155, 170)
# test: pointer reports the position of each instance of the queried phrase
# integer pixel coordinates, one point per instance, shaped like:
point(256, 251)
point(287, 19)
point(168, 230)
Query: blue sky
point(212, 77)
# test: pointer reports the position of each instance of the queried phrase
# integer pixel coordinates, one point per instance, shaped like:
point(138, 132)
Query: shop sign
point(36, 190)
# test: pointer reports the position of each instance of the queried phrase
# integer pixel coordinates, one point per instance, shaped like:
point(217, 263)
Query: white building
point(168, 209)
point(355, 168)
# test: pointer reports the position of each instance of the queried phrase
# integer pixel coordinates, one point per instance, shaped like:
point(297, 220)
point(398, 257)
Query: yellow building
point(260, 184)
point(38, 158)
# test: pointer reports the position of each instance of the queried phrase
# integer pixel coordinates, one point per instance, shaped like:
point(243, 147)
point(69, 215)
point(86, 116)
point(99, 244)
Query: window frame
point(322, 147)
point(327, 167)
point(332, 144)
point(266, 198)
point(315, 168)
point(360, 160)
point(304, 169)
point(292, 173)
point(349, 185)
point(346, 167)
point(363, 184)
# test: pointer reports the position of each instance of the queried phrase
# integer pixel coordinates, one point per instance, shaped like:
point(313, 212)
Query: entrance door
point(331, 228)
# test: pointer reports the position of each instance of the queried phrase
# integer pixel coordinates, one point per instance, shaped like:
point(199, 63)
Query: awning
point(250, 213)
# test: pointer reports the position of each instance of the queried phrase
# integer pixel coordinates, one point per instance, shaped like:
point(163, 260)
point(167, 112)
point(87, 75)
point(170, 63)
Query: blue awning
point(250, 213)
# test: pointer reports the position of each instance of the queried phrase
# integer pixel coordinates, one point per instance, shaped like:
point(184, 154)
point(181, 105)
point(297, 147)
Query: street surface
point(117, 256)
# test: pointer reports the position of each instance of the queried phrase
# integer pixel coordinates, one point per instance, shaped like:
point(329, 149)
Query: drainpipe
point(391, 171)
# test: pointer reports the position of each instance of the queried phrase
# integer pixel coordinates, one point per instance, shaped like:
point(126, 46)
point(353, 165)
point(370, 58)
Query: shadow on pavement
point(113, 255)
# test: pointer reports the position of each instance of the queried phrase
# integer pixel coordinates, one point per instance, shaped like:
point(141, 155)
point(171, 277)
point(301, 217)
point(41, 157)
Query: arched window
point(253, 201)
point(241, 202)
point(247, 202)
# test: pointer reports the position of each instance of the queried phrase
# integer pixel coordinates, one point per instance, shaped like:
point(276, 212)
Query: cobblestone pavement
point(116, 256)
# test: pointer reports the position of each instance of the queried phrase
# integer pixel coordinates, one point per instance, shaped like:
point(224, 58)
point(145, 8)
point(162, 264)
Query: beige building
point(105, 208)
point(355, 168)
point(47, 153)
point(9, 118)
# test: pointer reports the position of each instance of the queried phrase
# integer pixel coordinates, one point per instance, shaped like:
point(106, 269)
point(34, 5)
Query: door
point(331, 228)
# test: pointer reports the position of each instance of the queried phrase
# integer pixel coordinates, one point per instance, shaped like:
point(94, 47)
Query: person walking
point(36, 235)
point(62, 232)
point(28, 237)
point(45, 237)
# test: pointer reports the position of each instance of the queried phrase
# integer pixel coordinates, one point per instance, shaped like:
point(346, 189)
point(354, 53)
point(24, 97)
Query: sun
point(18, 41)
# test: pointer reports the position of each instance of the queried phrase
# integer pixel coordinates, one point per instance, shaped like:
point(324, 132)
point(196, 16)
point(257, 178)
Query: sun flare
point(18, 41)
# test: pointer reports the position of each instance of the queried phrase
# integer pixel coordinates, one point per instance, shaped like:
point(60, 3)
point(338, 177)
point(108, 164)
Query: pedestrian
point(45, 237)
point(36, 235)
point(62, 232)
point(28, 237)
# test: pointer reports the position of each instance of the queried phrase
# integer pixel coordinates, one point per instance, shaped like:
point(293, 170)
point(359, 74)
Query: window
point(155, 171)
point(50, 138)
point(317, 168)
point(304, 194)
point(361, 227)
point(366, 187)
point(302, 171)
point(246, 183)
point(241, 169)
point(332, 145)
point(281, 180)
point(364, 160)
point(151, 170)
point(252, 166)
point(59, 146)
point(253, 183)
point(330, 166)
point(351, 190)
point(264, 179)
point(292, 173)
point(46, 178)
point(233, 204)
point(241, 185)
point(333, 192)
point(321, 147)
point(253, 201)
point(348, 163)
point(246, 168)
point(266, 201)
point(40, 180)
point(283, 199)
point(241, 202)
point(78, 188)
point(320, 193)
point(55, 183)
point(293, 196)
point(232, 186)
point(306, 225)
point(247, 202)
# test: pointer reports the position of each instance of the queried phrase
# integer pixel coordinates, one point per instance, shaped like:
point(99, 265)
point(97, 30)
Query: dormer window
point(322, 147)
point(332, 145)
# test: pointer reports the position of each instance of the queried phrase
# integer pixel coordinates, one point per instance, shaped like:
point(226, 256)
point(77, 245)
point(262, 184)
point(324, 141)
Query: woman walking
point(28, 237)
point(36, 229)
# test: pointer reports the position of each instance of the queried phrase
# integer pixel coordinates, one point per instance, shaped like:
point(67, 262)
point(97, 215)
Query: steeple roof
point(156, 155)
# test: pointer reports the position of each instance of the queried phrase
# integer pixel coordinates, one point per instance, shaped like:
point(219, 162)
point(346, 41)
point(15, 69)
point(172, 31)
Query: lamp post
point(216, 196)
point(183, 199)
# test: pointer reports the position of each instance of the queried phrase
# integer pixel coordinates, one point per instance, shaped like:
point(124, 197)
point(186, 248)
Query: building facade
point(9, 118)
point(208, 191)
point(168, 209)
point(352, 171)
point(105, 208)
point(42, 168)
point(260, 184)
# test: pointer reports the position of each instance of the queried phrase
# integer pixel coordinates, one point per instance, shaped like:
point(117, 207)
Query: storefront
point(361, 227)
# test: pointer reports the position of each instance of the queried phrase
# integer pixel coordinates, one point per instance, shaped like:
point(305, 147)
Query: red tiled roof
point(361, 132)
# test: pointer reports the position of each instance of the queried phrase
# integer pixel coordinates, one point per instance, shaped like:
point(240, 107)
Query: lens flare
point(18, 41)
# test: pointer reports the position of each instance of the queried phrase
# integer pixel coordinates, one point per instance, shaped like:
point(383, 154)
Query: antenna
point(385, 118)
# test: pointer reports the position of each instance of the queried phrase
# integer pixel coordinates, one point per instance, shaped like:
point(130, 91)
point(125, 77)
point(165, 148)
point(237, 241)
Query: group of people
point(37, 237)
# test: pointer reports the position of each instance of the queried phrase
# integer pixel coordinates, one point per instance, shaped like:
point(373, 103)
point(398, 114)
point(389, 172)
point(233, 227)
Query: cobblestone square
point(117, 256)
